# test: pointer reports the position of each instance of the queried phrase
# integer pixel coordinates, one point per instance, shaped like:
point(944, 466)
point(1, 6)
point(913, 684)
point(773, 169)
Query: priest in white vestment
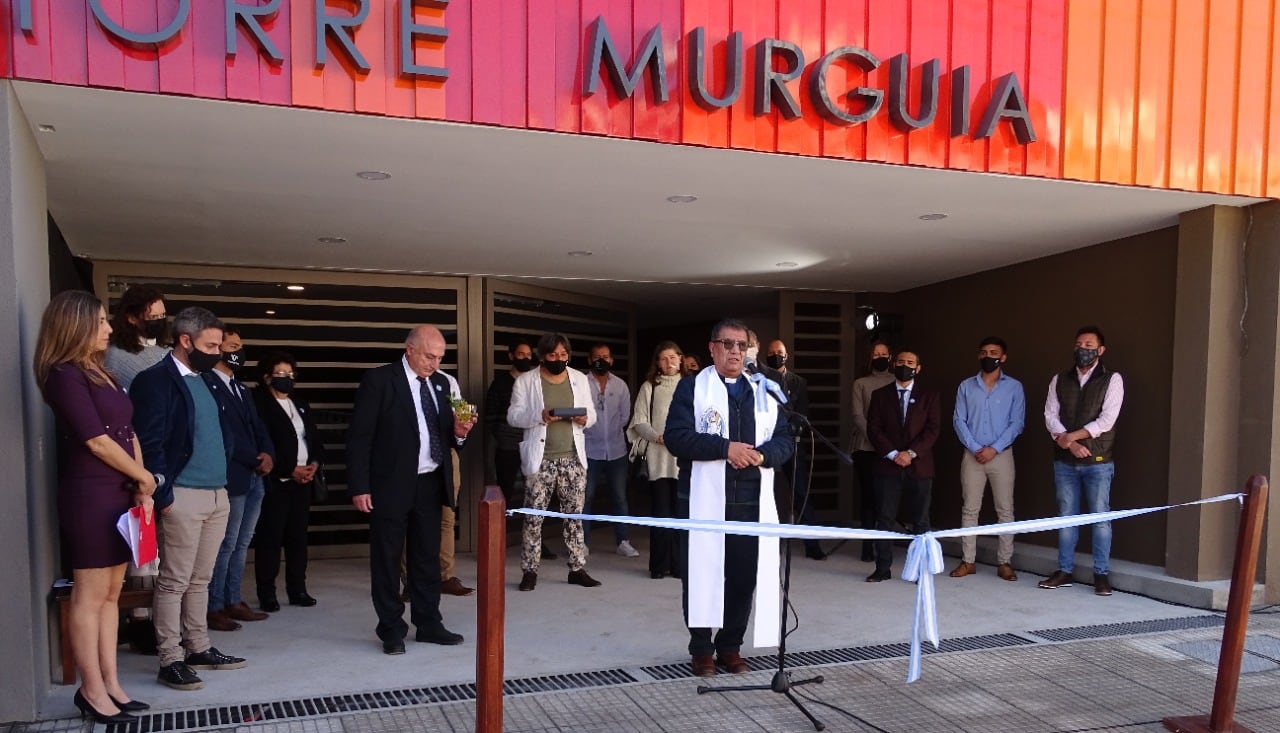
point(728, 435)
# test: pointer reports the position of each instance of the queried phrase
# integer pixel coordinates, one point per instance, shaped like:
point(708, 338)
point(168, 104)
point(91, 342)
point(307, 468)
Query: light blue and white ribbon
point(924, 556)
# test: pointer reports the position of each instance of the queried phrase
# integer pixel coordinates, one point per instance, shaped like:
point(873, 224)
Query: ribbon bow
point(762, 399)
point(924, 560)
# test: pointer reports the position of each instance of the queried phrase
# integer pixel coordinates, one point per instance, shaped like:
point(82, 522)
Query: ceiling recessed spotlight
point(46, 128)
point(682, 199)
point(295, 288)
point(787, 264)
point(373, 175)
point(271, 313)
point(581, 253)
point(331, 240)
point(932, 217)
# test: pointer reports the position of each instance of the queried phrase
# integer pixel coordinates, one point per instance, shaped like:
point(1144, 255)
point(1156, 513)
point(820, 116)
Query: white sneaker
point(626, 550)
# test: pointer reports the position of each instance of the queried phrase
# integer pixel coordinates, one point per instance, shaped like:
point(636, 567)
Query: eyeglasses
point(728, 344)
point(160, 317)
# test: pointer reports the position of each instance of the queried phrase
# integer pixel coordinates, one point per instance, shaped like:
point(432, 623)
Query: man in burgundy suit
point(903, 422)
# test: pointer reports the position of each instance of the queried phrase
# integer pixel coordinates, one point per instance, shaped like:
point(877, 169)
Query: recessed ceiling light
point(46, 128)
point(932, 217)
point(373, 175)
point(682, 199)
point(786, 264)
point(271, 313)
point(331, 240)
point(580, 253)
point(295, 288)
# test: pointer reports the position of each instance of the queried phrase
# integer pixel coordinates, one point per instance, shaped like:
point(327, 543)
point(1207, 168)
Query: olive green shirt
point(559, 433)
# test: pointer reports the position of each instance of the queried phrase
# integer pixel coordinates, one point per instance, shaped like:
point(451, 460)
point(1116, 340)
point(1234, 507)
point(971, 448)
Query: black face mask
point(600, 366)
point(775, 361)
point(880, 363)
point(233, 359)
point(904, 373)
point(283, 385)
point(555, 367)
point(153, 329)
point(202, 362)
point(1085, 357)
point(524, 364)
point(989, 364)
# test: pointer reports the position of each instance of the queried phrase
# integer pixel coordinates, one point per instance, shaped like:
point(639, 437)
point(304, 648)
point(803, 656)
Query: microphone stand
point(782, 682)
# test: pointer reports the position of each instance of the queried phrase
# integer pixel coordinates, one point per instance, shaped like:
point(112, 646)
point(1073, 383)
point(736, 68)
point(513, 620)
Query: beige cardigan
point(645, 426)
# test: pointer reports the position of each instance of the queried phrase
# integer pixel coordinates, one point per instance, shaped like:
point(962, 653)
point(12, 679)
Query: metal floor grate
point(1074, 633)
point(311, 707)
point(682, 670)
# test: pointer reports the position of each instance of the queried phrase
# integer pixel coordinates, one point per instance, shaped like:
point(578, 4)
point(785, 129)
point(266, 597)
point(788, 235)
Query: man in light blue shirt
point(990, 413)
point(607, 451)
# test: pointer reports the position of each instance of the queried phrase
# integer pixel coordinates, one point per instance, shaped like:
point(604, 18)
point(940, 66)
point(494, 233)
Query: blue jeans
point(228, 569)
point(614, 475)
point(1093, 481)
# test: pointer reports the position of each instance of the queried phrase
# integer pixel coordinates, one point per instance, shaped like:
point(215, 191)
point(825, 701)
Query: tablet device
point(568, 411)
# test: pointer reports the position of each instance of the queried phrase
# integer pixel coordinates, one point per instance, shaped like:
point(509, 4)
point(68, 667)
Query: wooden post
point(490, 610)
point(1220, 720)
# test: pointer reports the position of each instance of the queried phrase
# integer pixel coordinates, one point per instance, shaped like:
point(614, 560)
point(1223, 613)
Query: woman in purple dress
point(100, 477)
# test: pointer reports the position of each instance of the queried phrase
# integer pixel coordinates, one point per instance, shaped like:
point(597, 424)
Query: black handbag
point(640, 450)
point(319, 487)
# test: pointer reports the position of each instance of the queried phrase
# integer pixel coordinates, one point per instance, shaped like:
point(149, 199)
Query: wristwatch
point(911, 453)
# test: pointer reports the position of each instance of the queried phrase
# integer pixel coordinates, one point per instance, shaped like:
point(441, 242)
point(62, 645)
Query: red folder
point(140, 534)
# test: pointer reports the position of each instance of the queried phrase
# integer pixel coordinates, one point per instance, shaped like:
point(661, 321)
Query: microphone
point(750, 366)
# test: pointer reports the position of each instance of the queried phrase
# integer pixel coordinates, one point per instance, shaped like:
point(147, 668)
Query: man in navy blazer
point(183, 422)
point(399, 472)
point(903, 423)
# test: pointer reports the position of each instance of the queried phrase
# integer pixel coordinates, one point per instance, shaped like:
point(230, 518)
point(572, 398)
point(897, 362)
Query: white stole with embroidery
point(706, 502)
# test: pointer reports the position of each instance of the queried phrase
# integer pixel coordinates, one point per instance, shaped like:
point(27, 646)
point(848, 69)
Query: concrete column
point(27, 537)
point(1204, 430)
point(1259, 377)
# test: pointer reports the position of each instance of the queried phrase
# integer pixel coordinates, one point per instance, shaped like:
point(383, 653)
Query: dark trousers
point(863, 461)
point(506, 464)
point(796, 473)
point(890, 491)
point(286, 511)
point(414, 519)
point(662, 550)
point(741, 555)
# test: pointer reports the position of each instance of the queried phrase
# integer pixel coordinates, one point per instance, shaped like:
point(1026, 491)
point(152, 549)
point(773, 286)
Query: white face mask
point(753, 352)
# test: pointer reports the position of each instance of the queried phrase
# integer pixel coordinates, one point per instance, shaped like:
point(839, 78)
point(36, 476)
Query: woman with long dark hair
point(648, 420)
point(100, 477)
point(139, 333)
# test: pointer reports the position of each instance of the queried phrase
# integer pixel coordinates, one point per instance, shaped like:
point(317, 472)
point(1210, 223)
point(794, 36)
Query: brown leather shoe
point(242, 612)
point(733, 662)
point(963, 569)
point(703, 665)
point(529, 580)
point(1059, 579)
point(1005, 571)
point(454, 587)
point(1101, 585)
point(219, 621)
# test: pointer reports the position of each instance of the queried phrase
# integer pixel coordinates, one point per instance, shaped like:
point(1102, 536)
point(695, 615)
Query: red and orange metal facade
point(1169, 94)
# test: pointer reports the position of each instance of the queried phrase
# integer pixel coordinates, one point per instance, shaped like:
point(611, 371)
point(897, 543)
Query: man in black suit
point(903, 423)
point(796, 470)
point(399, 472)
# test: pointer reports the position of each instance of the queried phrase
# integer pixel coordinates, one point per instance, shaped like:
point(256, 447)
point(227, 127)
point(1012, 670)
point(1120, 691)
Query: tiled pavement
point(1125, 683)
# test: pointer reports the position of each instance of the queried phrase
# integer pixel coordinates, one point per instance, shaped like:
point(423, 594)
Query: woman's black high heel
point(87, 710)
point(133, 706)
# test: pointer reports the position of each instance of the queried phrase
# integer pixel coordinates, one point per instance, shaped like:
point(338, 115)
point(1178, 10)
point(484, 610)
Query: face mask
point(202, 362)
point(555, 367)
point(1085, 357)
point(880, 363)
point(233, 359)
point(600, 366)
point(904, 373)
point(153, 329)
point(775, 361)
point(283, 385)
point(524, 364)
point(753, 352)
point(989, 364)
